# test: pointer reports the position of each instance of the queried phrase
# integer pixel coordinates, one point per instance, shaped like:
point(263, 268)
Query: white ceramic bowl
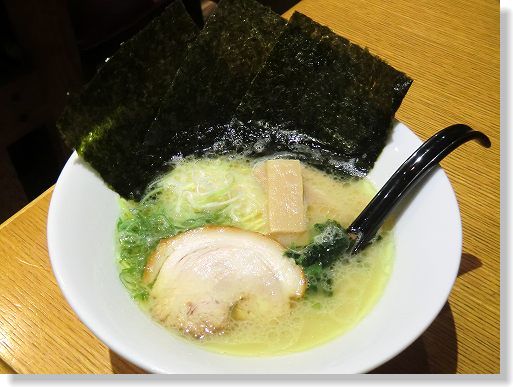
point(81, 224)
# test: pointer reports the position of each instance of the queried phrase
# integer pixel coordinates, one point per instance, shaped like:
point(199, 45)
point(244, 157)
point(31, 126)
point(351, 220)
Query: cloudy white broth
point(214, 250)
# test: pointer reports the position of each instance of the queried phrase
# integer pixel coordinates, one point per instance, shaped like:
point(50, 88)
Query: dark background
point(48, 48)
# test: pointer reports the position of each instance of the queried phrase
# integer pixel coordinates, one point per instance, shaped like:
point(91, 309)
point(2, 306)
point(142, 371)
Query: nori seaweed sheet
point(107, 121)
point(340, 98)
point(317, 98)
point(218, 69)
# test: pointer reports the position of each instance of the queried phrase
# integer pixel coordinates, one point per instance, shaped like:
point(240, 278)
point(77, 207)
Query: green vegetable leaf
point(329, 244)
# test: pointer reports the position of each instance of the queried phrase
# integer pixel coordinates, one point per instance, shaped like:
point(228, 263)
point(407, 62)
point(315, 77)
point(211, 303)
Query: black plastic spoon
point(364, 228)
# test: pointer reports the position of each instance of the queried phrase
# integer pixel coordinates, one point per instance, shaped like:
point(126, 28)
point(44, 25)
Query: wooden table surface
point(451, 49)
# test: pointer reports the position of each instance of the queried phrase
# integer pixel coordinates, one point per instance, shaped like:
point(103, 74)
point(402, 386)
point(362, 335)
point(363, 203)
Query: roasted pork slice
point(207, 278)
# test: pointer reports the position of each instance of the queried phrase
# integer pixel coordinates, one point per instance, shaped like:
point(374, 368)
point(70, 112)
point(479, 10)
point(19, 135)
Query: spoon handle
point(413, 170)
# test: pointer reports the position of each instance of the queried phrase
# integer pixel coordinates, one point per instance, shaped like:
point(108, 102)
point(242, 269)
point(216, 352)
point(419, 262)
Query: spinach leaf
point(329, 244)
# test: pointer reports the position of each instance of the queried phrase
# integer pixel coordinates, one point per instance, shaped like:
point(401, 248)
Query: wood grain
point(5, 368)
point(451, 49)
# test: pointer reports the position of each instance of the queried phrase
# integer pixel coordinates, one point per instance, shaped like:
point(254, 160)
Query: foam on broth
point(358, 281)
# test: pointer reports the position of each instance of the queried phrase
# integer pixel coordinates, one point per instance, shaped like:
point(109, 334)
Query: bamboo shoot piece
point(286, 209)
